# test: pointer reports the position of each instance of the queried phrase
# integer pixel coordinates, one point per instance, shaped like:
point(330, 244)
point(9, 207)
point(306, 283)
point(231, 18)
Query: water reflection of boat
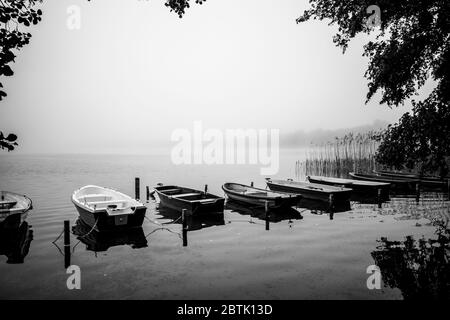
point(419, 268)
point(323, 207)
point(15, 238)
point(193, 222)
point(287, 213)
point(102, 241)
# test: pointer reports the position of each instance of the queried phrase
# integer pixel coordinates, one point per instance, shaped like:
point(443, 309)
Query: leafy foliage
point(9, 142)
point(412, 45)
point(179, 6)
point(420, 140)
point(14, 16)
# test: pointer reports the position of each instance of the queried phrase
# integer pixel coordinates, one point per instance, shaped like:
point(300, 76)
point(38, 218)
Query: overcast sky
point(134, 72)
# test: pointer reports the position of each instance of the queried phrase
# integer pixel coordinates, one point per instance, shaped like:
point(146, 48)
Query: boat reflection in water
point(419, 268)
point(322, 207)
point(102, 241)
point(15, 237)
point(288, 213)
point(193, 222)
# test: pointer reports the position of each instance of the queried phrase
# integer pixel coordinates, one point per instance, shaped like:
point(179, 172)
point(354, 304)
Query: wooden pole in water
point(379, 200)
point(266, 210)
point(206, 189)
point(66, 243)
point(184, 223)
point(331, 205)
point(137, 189)
point(147, 189)
point(417, 192)
point(448, 188)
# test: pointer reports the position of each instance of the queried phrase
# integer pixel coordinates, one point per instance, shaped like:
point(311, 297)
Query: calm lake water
point(232, 258)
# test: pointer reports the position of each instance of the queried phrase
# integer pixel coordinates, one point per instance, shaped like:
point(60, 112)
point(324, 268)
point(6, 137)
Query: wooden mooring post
point(137, 189)
point(448, 188)
point(206, 189)
point(184, 226)
point(66, 243)
point(147, 191)
point(331, 205)
point(417, 192)
point(379, 199)
point(266, 210)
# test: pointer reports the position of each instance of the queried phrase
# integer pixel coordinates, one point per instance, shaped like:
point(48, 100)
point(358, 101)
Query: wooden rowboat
point(425, 181)
point(194, 201)
point(259, 197)
point(312, 191)
point(12, 203)
point(395, 182)
point(366, 188)
point(105, 209)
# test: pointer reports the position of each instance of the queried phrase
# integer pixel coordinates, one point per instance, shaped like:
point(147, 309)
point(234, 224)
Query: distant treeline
point(322, 136)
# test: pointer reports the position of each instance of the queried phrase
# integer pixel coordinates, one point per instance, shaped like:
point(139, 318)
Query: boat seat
point(187, 195)
point(205, 200)
point(95, 197)
point(108, 202)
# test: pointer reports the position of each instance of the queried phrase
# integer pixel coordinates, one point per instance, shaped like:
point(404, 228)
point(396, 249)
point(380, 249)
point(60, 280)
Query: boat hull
point(192, 208)
point(402, 184)
point(101, 221)
point(273, 204)
point(425, 181)
point(337, 196)
point(376, 191)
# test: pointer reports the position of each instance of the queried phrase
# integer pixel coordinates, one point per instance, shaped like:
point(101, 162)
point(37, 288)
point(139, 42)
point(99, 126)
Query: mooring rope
point(167, 229)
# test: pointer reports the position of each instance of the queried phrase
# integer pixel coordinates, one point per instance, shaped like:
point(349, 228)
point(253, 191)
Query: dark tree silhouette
point(412, 45)
point(15, 17)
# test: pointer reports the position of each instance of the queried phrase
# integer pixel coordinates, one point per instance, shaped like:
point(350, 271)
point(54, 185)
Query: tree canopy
point(411, 46)
point(15, 16)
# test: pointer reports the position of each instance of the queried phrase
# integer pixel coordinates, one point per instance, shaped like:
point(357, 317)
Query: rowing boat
point(106, 209)
point(395, 182)
point(312, 191)
point(259, 197)
point(366, 188)
point(13, 204)
point(195, 202)
point(425, 181)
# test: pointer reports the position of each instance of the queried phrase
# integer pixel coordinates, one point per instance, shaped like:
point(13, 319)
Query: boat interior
point(102, 198)
point(250, 191)
point(308, 185)
point(11, 202)
point(186, 193)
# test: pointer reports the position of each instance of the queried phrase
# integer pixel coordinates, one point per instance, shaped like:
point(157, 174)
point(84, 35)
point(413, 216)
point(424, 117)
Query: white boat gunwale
point(93, 209)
